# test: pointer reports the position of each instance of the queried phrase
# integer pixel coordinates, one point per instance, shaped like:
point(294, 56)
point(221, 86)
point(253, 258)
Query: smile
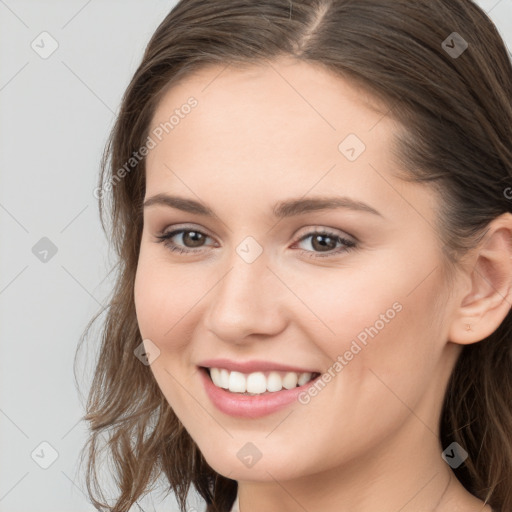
point(271, 390)
point(258, 383)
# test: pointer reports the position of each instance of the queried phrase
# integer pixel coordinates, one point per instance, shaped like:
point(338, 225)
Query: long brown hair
point(457, 118)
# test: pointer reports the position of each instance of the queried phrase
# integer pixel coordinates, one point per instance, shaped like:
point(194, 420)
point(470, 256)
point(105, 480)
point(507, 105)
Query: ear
point(489, 279)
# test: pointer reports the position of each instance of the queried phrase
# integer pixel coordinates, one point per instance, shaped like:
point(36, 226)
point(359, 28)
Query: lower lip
point(246, 406)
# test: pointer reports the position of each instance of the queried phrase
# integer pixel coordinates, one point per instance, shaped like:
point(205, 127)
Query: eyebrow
point(283, 209)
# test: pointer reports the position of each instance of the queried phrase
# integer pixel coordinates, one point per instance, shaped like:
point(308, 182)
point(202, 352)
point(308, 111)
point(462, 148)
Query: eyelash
point(348, 244)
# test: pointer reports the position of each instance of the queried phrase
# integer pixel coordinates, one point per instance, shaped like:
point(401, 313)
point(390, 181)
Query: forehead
point(275, 109)
point(293, 86)
point(266, 131)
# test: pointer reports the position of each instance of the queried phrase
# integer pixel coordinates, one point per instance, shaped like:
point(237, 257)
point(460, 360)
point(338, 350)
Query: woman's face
point(373, 311)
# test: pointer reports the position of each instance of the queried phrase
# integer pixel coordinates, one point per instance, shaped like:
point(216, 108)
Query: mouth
point(257, 383)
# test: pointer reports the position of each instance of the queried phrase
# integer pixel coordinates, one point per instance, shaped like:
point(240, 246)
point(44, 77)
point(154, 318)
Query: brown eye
point(190, 240)
point(326, 242)
point(323, 243)
point(193, 238)
point(193, 241)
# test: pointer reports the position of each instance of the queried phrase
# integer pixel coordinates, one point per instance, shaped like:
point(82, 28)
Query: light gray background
point(55, 115)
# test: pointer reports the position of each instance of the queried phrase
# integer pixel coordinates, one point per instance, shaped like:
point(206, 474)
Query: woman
point(311, 203)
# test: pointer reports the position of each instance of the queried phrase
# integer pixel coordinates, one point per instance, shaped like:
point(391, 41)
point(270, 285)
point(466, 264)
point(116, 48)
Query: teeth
point(237, 383)
point(290, 380)
point(220, 377)
point(303, 378)
point(224, 379)
point(274, 382)
point(258, 382)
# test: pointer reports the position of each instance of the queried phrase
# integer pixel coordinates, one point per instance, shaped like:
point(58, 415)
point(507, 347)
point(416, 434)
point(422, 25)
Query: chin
point(237, 465)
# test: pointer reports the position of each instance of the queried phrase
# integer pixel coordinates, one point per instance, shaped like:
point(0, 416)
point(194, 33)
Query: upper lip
point(252, 366)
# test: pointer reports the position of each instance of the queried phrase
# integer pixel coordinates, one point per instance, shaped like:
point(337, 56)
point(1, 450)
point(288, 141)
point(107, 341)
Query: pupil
point(323, 245)
point(196, 237)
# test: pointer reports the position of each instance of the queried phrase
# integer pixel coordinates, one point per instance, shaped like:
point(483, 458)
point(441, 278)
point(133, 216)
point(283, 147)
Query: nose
point(248, 300)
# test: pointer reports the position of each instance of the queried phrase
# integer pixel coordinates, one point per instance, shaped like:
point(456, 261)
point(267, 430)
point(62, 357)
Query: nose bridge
point(245, 299)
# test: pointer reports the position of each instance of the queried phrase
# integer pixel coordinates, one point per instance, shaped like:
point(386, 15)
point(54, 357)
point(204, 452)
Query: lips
point(254, 366)
point(243, 405)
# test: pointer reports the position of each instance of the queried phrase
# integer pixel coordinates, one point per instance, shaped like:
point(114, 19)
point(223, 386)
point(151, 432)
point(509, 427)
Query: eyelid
point(306, 230)
point(321, 229)
point(176, 228)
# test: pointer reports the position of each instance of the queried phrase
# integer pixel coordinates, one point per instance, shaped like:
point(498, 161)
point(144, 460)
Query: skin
point(369, 440)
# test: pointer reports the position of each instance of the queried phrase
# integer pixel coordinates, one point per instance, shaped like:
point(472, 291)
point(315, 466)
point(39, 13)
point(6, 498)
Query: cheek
point(372, 307)
point(385, 353)
point(382, 324)
point(147, 290)
point(164, 297)
point(393, 351)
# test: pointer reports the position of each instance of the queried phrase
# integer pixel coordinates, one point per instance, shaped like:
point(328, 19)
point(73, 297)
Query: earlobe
point(483, 309)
